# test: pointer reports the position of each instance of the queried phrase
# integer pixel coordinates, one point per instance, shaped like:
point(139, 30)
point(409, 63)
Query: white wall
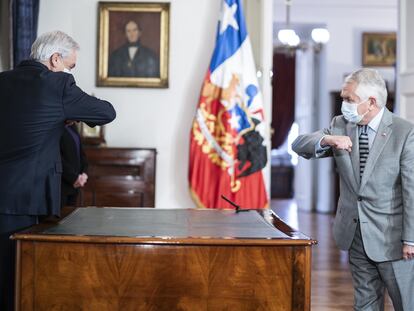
point(304, 117)
point(159, 118)
point(406, 60)
point(346, 20)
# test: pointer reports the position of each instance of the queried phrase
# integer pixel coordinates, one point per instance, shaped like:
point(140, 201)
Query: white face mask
point(350, 112)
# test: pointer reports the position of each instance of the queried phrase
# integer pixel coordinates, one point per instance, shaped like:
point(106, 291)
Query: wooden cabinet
point(120, 177)
point(282, 182)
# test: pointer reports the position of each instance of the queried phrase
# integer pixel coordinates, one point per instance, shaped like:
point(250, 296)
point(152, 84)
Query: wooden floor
point(331, 280)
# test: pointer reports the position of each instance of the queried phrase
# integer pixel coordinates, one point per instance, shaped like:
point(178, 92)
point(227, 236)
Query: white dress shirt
point(132, 50)
point(372, 127)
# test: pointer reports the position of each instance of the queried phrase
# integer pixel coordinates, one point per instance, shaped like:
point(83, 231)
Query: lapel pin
point(384, 134)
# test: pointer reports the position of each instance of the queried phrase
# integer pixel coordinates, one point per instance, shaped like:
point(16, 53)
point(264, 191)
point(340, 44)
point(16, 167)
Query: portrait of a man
point(133, 44)
point(133, 59)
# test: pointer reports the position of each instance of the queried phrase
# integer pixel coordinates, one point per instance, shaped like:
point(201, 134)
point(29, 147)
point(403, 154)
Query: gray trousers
point(371, 278)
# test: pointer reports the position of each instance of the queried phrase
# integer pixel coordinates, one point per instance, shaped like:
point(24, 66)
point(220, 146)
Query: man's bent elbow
point(111, 114)
point(295, 144)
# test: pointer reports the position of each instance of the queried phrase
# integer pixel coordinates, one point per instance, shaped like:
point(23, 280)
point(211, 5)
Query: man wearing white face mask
point(374, 154)
point(37, 99)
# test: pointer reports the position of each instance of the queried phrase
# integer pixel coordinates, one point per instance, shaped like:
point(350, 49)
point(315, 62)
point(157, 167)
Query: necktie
point(363, 149)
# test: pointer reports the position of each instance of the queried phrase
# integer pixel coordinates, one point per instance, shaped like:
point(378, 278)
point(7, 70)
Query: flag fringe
point(196, 199)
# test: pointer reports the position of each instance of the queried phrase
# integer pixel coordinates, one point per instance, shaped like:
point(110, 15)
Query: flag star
point(227, 17)
point(234, 121)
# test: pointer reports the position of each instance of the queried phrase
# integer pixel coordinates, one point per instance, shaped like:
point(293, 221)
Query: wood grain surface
point(65, 274)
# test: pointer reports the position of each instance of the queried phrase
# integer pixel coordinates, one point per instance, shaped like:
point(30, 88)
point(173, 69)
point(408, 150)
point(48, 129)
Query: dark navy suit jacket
point(34, 104)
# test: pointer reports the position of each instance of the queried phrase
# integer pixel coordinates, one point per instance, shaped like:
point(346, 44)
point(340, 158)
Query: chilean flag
point(228, 146)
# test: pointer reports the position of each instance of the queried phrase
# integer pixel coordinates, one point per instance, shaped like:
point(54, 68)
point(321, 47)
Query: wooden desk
point(152, 259)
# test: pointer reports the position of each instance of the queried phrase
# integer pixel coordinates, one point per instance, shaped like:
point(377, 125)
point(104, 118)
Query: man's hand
point(337, 142)
point(408, 252)
point(81, 181)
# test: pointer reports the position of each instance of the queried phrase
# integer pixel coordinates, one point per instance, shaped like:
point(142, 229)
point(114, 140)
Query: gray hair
point(369, 83)
point(53, 42)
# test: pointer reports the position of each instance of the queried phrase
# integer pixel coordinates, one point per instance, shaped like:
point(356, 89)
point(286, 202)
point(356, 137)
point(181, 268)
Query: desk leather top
point(176, 223)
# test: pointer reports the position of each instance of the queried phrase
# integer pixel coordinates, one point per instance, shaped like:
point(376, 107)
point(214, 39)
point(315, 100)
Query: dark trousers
point(10, 224)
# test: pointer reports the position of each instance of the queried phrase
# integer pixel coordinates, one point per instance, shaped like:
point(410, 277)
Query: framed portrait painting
point(379, 49)
point(133, 44)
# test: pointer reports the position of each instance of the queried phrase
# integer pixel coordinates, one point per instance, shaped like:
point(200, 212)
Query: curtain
point(283, 97)
point(24, 16)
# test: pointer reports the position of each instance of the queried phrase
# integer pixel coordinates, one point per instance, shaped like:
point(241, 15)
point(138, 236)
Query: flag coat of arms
point(227, 141)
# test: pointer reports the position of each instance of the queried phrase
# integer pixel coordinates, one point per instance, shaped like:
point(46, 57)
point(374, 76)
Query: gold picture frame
point(379, 49)
point(133, 44)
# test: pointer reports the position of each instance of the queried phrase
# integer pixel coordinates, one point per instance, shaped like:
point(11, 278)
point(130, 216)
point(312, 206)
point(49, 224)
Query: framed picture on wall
point(379, 49)
point(133, 42)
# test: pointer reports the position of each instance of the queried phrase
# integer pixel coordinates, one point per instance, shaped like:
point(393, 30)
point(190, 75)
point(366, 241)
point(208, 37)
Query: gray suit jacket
point(383, 199)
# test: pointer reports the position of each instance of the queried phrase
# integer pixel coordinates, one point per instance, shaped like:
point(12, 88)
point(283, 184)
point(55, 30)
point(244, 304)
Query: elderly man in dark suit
point(374, 154)
point(133, 59)
point(37, 98)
